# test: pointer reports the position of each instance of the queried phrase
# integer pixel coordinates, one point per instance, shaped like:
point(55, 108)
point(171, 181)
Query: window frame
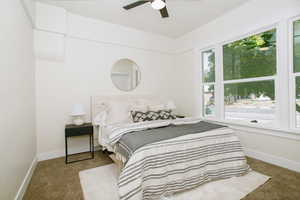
point(292, 75)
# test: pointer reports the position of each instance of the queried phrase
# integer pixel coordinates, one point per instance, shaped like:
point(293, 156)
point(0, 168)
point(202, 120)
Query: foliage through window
point(248, 101)
point(209, 99)
point(297, 68)
point(208, 66)
point(297, 46)
point(208, 69)
point(251, 57)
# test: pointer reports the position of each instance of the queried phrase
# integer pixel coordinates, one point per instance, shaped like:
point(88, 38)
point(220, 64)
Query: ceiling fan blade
point(164, 12)
point(135, 4)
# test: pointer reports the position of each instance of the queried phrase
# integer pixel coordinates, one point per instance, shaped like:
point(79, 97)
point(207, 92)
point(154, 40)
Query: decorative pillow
point(100, 119)
point(139, 116)
point(118, 112)
point(166, 114)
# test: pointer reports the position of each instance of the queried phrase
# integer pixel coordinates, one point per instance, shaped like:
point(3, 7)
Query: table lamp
point(78, 114)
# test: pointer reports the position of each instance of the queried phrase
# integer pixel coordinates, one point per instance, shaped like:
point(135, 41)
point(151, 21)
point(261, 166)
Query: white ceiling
point(185, 15)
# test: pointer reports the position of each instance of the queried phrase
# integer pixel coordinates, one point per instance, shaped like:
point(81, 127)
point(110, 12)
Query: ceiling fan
point(156, 4)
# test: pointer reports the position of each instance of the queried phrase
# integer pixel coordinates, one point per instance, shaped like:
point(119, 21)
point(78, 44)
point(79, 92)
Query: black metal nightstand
point(74, 130)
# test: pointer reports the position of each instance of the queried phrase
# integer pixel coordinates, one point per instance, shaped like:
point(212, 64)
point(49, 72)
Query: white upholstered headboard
point(98, 102)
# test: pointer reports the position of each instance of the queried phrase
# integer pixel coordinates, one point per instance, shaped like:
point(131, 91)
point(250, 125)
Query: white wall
point(247, 18)
point(72, 67)
point(29, 7)
point(17, 121)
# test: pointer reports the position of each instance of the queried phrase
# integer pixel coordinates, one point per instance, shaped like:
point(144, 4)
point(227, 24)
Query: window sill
point(259, 128)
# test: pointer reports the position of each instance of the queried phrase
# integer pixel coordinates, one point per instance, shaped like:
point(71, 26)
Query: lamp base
point(78, 120)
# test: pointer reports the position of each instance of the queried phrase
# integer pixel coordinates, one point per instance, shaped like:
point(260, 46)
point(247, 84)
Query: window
point(254, 79)
point(249, 69)
point(208, 71)
point(296, 67)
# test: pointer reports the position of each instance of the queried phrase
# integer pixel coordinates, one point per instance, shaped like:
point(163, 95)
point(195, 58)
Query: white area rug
point(101, 184)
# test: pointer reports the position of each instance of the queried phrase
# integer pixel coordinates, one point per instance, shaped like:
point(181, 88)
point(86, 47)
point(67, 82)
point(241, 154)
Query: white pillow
point(171, 105)
point(142, 108)
point(157, 107)
point(118, 112)
point(100, 118)
point(139, 105)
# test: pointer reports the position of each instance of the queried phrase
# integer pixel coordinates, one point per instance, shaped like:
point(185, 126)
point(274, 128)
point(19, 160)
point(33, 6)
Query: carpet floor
point(54, 180)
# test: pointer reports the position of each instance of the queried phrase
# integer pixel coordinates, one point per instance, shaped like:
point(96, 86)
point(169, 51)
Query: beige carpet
point(101, 183)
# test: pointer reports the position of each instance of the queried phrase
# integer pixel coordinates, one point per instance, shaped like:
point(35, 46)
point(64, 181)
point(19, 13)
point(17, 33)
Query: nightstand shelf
point(72, 130)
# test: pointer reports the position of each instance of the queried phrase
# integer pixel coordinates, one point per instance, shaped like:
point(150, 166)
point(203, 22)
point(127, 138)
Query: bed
point(167, 156)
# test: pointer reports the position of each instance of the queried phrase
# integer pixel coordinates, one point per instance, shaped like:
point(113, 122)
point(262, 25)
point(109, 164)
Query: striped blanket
point(180, 163)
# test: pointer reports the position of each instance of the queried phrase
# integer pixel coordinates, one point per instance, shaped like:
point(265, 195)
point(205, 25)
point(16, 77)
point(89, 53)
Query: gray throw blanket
point(132, 141)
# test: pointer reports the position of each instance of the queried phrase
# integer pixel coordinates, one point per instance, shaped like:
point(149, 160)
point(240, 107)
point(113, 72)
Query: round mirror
point(125, 75)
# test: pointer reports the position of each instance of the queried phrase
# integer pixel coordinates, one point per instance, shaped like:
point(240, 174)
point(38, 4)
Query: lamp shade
point(171, 105)
point(78, 110)
point(158, 4)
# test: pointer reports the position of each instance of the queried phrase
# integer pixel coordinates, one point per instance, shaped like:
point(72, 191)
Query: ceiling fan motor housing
point(156, 4)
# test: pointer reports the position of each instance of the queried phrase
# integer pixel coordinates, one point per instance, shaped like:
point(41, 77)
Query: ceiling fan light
point(158, 4)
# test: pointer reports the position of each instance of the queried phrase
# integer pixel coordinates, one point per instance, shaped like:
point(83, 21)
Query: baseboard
point(276, 160)
point(61, 153)
point(25, 182)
